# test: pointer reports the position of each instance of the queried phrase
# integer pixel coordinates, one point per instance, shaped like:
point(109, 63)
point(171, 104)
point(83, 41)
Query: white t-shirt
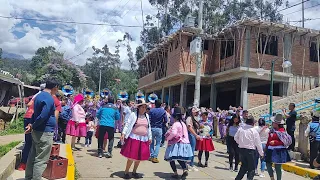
point(263, 133)
point(127, 112)
point(90, 126)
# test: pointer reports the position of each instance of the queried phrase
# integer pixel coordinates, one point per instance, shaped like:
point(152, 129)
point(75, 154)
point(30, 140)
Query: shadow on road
point(162, 175)
point(222, 168)
point(220, 155)
point(120, 174)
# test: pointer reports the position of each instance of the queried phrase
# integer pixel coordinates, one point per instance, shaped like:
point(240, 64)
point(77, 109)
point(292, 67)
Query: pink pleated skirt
point(135, 150)
point(79, 131)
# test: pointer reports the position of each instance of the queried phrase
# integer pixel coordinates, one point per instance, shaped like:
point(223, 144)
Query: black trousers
point(62, 125)
point(233, 151)
point(247, 164)
point(164, 130)
point(291, 147)
point(314, 150)
point(183, 165)
point(102, 131)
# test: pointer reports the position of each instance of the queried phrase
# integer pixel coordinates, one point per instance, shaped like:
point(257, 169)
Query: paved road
point(90, 167)
point(9, 138)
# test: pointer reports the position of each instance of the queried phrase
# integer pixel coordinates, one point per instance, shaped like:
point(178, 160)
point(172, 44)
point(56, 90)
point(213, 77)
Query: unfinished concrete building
point(230, 62)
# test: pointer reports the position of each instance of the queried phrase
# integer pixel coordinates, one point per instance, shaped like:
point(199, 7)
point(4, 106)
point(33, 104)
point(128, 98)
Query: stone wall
point(255, 100)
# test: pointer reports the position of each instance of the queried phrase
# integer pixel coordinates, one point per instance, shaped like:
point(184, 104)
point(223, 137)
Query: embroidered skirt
point(205, 144)
point(277, 156)
point(79, 131)
point(136, 148)
point(178, 151)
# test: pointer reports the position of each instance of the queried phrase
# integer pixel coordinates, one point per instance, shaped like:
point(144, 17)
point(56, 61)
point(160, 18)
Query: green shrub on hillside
point(4, 149)
point(16, 127)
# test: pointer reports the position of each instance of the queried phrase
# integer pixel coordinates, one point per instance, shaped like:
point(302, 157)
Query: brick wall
point(255, 100)
point(146, 79)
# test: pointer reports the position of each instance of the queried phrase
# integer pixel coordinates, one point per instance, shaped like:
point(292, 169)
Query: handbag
point(313, 134)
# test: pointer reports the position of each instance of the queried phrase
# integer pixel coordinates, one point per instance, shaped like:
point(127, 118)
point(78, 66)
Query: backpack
point(285, 138)
point(66, 113)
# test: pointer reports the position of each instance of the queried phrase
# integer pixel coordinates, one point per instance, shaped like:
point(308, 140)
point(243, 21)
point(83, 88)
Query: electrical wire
point(293, 5)
point(301, 9)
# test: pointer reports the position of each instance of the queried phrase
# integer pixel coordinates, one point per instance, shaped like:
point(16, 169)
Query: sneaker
point(108, 155)
point(194, 169)
point(100, 155)
point(235, 170)
point(150, 159)
point(262, 175)
point(155, 160)
point(22, 167)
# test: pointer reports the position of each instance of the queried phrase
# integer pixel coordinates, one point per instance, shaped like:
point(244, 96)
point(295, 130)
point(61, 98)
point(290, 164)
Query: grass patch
point(76, 174)
point(16, 127)
point(4, 149)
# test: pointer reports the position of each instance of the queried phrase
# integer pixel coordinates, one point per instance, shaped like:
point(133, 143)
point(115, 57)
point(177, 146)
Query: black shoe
point(184, 174)
point(200, 164)
point(108, 155)
point(100, 155)
point(126, 176)
point(235, 170)
point(206, 164)
point(135, 175)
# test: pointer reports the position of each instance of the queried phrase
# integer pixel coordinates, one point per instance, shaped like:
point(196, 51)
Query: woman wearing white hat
point(136, 138)
point(278, 142)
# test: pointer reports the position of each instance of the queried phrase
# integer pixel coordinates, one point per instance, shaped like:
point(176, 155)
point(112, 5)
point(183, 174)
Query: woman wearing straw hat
point(136, 138)
point(278, 142)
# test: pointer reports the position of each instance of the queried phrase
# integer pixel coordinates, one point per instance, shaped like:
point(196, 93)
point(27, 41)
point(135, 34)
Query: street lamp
point(260, 72)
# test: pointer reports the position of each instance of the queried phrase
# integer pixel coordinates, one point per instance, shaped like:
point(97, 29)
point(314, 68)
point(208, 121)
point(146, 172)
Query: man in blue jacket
point(107, 116)
point(42, 127)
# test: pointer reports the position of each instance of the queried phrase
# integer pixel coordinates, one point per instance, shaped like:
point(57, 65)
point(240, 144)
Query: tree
point(127, 38)
point(139, 53)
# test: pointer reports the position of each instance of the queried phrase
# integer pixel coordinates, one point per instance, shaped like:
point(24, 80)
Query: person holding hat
point(179, 147)
point(136, 138)
point(193, 128)
point(278, 142)
point(248, 141)
point(313, 132)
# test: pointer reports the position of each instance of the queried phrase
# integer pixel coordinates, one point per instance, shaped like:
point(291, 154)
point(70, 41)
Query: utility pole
point(302, 13)
point(199, 59)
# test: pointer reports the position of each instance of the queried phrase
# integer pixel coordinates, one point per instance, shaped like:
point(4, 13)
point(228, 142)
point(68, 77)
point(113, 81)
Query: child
point(205, 143)
point(90, 130)
point(64, 117)
point(222, 128)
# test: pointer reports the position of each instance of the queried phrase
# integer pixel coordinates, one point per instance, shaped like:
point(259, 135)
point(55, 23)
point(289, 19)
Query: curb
point(71, 165)
point(9, 161)
point(291, 167)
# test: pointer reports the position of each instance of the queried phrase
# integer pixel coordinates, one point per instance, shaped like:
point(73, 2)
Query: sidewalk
point(9, 138)
point(90, 167)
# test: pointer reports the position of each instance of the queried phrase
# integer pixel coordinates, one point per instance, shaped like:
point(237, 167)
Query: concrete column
point(247, 48)
point(244, 93)
point(213, 96)
point(183, 94)
point(163, 95)
point(170, 96)
point(286, 89)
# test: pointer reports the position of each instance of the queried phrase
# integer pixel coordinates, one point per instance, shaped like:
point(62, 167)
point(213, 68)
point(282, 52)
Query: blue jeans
point(156, 136)
point(27, 143)
point(262, 161)
point(193, 141)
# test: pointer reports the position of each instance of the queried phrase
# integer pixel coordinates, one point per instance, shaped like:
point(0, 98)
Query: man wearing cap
point(248, 140)
point(157, 117)
point(313, 132)
point(291, 123)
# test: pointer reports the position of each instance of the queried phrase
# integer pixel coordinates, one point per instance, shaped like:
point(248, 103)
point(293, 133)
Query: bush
point(4, 149)
point(16, 127)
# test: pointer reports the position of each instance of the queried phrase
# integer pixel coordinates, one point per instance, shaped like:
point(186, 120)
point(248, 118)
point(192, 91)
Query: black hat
point(177, 111)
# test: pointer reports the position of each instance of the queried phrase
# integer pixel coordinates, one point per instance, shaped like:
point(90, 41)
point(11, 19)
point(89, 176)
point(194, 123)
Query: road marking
point(71, 168)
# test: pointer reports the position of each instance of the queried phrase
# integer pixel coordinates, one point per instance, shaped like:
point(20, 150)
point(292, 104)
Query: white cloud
point(71, 39)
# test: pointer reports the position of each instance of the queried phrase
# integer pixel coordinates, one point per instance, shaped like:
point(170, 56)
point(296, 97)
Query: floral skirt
point(178, 151)
point(78, 131)
point(136, 148)
point(205, 144)
point(277, 156)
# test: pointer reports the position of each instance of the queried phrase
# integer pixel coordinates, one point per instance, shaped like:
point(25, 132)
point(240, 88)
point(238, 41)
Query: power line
point(293, 5)
point(69, 22)
point(301, 9)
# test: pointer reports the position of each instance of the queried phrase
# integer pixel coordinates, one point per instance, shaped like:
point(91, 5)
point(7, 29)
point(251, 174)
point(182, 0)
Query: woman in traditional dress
point(278, 142)
point(179, 147)
point(136, 138)
point(76, 126)
point(205, 143)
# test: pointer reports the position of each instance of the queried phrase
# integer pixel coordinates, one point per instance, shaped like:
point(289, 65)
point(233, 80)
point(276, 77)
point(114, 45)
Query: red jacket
point(274, 137)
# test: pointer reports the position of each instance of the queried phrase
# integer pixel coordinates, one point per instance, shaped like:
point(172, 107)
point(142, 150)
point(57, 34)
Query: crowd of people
point(145, 127)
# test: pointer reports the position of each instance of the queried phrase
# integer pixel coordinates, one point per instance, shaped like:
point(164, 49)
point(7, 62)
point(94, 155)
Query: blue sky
point(25, 37)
